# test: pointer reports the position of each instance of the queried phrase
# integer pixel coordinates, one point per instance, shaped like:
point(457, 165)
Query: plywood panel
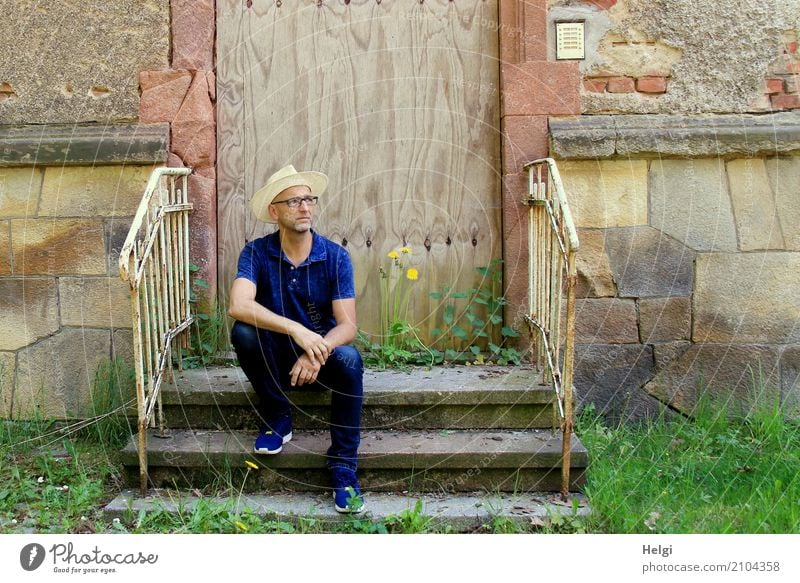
point(398, 103)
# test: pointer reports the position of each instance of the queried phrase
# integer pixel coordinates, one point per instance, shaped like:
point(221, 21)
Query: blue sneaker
point(273, 435)
point(347, 495)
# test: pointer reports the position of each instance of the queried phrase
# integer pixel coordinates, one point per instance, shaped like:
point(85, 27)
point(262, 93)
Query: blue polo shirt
point(304, 293)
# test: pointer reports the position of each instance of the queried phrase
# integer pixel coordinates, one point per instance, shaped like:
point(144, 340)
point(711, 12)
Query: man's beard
point(301, 226)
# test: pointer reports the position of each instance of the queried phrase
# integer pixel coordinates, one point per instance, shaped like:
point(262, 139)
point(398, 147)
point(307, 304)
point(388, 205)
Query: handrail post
point(569, 357)
point(552, 246)
point(159, 302)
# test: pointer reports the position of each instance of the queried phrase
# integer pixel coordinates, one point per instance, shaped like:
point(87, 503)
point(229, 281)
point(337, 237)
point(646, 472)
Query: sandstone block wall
point(63, 308)
point(688, 277)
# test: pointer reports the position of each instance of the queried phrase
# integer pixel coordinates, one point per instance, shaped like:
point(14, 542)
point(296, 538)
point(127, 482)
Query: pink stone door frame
point(184, 95)
point(532, 88)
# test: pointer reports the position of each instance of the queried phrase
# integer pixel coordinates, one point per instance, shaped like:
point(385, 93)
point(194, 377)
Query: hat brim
point(263, 197)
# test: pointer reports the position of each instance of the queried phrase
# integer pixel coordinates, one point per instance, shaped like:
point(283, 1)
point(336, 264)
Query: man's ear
point(273, 212)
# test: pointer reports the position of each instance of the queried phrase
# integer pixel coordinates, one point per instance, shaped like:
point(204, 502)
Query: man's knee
point(244, 337)
point(348, 359)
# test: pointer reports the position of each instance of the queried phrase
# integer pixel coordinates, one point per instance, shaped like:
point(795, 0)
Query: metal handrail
point(155, 262)
point(552, 272)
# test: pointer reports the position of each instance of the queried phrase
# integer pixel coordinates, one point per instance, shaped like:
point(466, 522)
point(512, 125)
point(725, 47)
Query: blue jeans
point(267, 359)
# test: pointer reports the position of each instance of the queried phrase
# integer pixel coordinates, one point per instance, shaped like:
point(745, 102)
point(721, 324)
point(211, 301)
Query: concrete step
point(412, 460)
point(314, 513)
point(456, 398)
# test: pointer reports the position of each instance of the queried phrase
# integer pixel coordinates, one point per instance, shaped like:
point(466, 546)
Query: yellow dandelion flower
point(250, 464)
point(241, 526)
point(393, 255)
point(405, 250)
point(412, 274)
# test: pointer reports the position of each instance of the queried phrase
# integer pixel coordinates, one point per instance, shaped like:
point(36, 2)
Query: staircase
point(427, 433)
point(445, 430)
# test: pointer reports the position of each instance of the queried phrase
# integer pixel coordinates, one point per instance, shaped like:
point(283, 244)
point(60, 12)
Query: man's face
point(298, 219)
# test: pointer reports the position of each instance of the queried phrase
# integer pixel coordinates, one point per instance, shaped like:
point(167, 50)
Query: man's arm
point(304, 370)
point(344, 311)
point(244, 307)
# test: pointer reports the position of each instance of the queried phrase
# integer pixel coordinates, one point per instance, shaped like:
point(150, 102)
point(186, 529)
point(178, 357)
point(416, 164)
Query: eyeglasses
point(294, 203)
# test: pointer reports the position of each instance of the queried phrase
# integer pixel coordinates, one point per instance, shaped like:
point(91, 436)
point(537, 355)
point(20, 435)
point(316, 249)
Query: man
point(294, 304)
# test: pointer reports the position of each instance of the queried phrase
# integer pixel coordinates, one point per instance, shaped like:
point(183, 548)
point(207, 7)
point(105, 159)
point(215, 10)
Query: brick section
point(601, 4)
point(773, 85)
point(780, 86)
point(785, 101)
point(621, 85)
point(651, 84)
point(541, 88)
point(595, 84)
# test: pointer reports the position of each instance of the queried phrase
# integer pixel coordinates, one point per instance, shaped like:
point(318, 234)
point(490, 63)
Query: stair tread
point(467, 510)
point(453, 385)
point(445, 448)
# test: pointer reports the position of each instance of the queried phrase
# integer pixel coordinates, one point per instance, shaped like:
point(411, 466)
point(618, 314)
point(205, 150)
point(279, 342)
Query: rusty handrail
point(154, 260)
point(552, 272)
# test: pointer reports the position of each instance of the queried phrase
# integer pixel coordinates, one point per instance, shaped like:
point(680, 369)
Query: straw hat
point(280, 181)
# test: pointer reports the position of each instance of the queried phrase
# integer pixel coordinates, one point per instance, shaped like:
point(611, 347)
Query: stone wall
point(688, 267)
point(74, 162)
point(63, 308)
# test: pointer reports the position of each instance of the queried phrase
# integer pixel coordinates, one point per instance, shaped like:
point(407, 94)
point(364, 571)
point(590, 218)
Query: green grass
point(720, 472)
point(50, 483)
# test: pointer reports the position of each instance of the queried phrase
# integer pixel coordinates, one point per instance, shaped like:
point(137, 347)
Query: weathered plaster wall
point(684, 56)
point(71, 62)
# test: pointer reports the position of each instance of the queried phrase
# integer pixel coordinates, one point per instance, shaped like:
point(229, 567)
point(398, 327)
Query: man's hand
point(315, 346)
point(304, 371)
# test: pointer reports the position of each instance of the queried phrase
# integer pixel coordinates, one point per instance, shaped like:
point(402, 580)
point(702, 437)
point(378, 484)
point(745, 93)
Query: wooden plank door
point(397, 102)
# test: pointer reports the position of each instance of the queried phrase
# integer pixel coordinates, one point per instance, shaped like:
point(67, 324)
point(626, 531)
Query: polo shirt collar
point(318, 250)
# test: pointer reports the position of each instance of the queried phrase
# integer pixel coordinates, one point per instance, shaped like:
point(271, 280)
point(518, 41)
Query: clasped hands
point(317, 350)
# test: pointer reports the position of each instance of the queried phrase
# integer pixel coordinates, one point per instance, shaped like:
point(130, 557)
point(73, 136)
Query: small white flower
point(83, 518)
point(40, 479)
point(115, 521)
point(13, 521)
